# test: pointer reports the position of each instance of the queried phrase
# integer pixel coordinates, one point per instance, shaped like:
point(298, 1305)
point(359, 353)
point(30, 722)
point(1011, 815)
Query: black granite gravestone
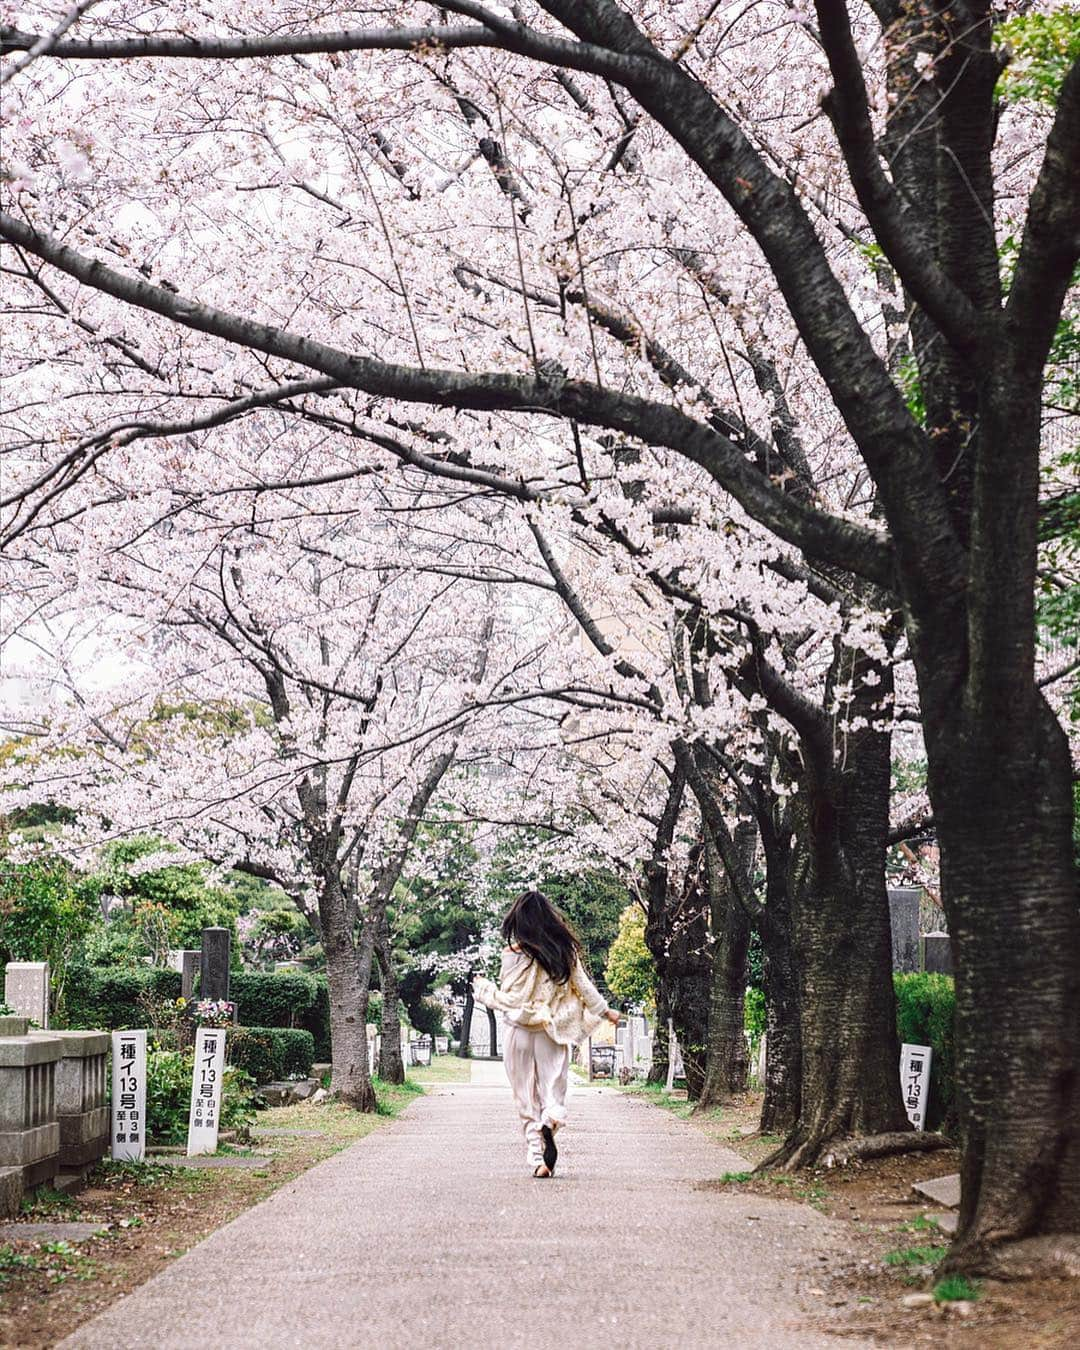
point(937, 953)
point(904, 922)
point(214, 964)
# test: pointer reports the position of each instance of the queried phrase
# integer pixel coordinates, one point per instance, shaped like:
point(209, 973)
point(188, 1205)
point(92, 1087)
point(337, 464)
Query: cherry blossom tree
point(530, 224)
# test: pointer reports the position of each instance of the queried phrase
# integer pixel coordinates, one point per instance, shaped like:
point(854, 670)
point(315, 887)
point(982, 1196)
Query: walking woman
point(550, 1004)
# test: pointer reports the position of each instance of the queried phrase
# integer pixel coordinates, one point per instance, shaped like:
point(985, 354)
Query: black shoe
point(551, 1153)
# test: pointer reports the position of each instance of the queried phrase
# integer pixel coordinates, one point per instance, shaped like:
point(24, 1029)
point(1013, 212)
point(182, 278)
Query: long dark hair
point(534, 925)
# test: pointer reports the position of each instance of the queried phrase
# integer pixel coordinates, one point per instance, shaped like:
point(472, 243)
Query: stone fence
point(54, 1105)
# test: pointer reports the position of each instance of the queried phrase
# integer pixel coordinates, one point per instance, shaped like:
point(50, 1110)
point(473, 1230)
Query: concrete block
point(11, 1191)
point(941, 1190)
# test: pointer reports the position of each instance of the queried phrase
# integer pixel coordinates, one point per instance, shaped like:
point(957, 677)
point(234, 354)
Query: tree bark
point(782, 1101)
point(350, 1077)
point(678, 937)
point(1010, 897)
point(391, 1065)
point(849, 1078)
point(727, 1060)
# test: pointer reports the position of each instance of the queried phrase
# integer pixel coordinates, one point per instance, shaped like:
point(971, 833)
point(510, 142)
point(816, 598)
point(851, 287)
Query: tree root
point(360, 1098)
point(833, 1150)
point(1051, 1255)
point(883, 1145)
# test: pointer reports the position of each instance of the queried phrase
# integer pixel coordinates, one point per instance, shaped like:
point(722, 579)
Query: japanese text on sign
point(128, 1095)
point(203, 1122)
point(915, 1081)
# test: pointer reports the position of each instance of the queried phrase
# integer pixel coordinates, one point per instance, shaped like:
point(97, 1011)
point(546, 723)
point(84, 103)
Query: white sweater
point(529, 997)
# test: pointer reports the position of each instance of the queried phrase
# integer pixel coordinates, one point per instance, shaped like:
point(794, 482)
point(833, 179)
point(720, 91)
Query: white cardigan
point(529, 997)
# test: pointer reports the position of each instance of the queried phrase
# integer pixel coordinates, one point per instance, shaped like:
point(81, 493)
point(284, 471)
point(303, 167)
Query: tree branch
point(834, 540)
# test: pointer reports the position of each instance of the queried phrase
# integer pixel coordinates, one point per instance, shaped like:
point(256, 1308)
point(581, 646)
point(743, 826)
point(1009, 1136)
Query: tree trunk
point(466, 1021)
point(849, 1076)
point(350, 1078)
point(391, 1065)
point(677, 936)
point(1010, 895)
point(726, 1056)
point(782, 1101)
point(493, 1033)
point(659, 1066)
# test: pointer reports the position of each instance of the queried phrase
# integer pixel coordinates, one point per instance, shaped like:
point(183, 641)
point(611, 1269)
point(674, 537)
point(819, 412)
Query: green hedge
point(106, 996)
point(288, 999)
point(271, 1053)
point(925, 1004)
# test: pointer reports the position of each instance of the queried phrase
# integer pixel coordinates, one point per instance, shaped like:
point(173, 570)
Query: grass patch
point(929, 1255)
point(922, 1224)
point(736, 1176)
point(392, 1098)
point(442, 1069)
point(657, 1094)
point(956, 1289)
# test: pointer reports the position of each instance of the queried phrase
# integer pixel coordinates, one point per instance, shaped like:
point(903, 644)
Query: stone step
point(941, 1190)
point(48, 1232)
point(69, 1182)
point(213, 1161)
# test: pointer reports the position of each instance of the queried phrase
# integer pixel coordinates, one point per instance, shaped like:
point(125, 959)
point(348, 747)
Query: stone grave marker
point(675, 1067)
point(937, 953)
point(26, 989)
point(442, 1045)
point(904, 924)
point(205, 1115)
point(186, 960)
point(915, 1081)
point(214, 964)
point(128, 1111)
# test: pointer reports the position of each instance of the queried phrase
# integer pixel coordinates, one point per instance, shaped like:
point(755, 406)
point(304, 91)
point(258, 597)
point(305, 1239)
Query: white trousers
point(538, 1069)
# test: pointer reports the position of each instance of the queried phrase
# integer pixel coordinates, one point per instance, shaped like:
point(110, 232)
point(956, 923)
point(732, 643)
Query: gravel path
point(431, 1235)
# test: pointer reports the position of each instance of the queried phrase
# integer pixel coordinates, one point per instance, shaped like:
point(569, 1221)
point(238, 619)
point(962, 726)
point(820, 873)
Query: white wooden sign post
point(128, 1110)
point(206, 1091)
point(915, 1081)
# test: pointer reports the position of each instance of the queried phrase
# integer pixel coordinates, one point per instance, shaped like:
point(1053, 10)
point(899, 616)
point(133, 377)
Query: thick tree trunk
point(1009, 885)
point(849, 1078)
point(350, 1078)
point(677, 935)
point(727, 1060)
point(391, 1065)
point(493, 1033)
point(783, 1040)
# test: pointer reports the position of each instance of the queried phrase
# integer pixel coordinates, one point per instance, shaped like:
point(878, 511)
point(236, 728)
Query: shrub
point(108, 998)
point(925, 1004)
point(426, 1016)
point(168, 1096)
point(270, 1053)
point(285, 1000)
point(631, 971)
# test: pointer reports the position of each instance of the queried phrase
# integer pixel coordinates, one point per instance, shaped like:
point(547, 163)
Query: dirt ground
point(894, 1247)
point(149, 1214)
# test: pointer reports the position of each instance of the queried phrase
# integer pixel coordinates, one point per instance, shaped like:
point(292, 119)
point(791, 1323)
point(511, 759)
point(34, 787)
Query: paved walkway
point(431, 1235)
